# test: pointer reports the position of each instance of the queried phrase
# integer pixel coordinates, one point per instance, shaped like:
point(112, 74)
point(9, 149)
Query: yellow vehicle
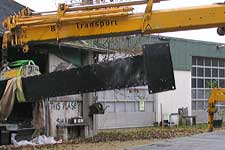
point(217, 95)
point(89, 21)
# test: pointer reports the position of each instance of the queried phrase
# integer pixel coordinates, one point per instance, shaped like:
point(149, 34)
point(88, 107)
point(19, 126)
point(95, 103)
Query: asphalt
point(214, 141)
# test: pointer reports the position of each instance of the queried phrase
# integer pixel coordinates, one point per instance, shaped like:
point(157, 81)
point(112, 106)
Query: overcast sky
point(204, 34)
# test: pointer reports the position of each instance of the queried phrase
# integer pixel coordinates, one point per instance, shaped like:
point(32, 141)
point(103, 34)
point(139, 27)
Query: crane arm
point(217, 95)
point(106, 20)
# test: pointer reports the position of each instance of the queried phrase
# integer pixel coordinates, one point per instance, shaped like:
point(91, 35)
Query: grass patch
point(148, 133)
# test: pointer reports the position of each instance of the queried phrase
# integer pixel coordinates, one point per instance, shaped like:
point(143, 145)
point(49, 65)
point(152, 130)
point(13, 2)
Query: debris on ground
point(118, 139)
point(40, 140)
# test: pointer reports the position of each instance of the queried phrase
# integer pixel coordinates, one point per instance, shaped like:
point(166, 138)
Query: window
point(199, 105)
point(200, 83)
point(215, 72)
point(207, 62)
point(221, 63)
point(200, 72)
point(208, 83)
point(193, 105)
point(215, 62)
point(200, 94)
point(193, 94)
point(206, 73)
point(193, 72)
point(207, 94)
point(221, 73)
point(200, 61)
point(222, 83)
point(193, 84)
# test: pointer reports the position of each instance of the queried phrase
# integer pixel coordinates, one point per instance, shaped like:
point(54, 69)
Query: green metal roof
point(182, 50)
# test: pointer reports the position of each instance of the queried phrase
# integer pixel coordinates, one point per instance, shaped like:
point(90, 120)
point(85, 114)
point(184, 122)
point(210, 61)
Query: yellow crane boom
point(106, 20)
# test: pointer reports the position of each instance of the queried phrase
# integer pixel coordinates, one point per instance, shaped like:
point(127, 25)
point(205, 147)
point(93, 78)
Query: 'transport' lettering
point(96, 24)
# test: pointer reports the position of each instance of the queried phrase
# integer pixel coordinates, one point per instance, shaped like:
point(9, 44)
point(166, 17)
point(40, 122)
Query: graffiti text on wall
point(63, 105)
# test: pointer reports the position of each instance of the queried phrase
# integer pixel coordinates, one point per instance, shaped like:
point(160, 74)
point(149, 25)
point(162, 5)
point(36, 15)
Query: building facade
point(198, 66)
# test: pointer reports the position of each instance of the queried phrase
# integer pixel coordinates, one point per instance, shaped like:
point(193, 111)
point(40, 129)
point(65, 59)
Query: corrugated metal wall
point(132, 107)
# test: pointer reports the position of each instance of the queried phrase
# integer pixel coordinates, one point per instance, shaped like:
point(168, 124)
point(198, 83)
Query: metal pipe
point(220, 105)
point(52, 19)
point(84, 13)
point(31, 18)
point(97, 6)
point(75, 18)
point(103, 16)
point(99, 12)
point(84, 7)
point(44, 12)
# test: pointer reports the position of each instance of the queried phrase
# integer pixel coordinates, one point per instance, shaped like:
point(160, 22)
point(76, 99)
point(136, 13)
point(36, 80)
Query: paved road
point(206, 141)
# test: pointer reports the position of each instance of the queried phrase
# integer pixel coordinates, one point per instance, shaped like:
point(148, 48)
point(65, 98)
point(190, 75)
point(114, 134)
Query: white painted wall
point(172, 100)
point(63, 108)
